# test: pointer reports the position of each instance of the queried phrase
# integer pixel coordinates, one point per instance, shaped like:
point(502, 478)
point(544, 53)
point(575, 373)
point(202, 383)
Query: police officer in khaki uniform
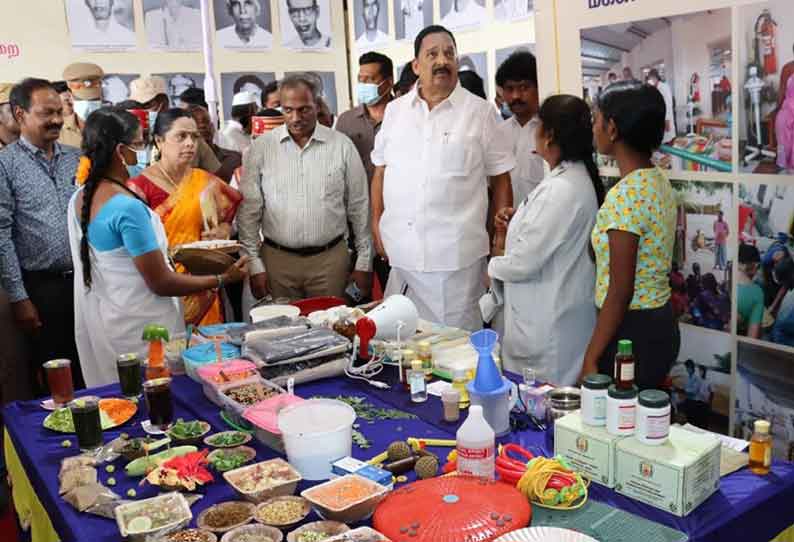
point(84, 80)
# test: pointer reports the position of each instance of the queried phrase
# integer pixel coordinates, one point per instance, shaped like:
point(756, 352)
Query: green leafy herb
point(360, 440)
point(183, 430)
point(228, 439)
point(229, 459)
point(369, 412)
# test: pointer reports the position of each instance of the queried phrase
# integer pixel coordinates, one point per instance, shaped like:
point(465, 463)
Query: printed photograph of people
point(371, 23)
point(243, 24)
point(766, 94)
point(116, 87)
point(410, 17)
point(177, 83)
point(173, 25)
point(101, 25)
point(703, 255)
point(512, 10)
point(305, 24)
point(700, 381)
point(688, 59)
point(765, 302)
point(462, 14)
point(765, 391)
point(235, 83)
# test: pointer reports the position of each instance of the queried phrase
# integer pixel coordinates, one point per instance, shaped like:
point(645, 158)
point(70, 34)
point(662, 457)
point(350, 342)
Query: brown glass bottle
point(761, 448)
point(624, 366)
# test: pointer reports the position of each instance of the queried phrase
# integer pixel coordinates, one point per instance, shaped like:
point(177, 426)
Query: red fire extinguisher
point(765, 30)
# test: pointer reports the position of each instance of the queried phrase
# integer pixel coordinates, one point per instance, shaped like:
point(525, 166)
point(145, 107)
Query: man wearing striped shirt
point(302, 183)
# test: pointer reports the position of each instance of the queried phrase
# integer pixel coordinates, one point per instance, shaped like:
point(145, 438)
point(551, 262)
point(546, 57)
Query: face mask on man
point(83, 108)
point(367, 93)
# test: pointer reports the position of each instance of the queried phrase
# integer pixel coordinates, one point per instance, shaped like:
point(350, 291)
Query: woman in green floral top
point(633, 239)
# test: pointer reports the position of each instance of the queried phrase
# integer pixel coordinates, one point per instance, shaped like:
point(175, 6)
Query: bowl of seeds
point(317, 531)
point(253, 533)
point(282, 512)
point(192, 535)
point(226, 516)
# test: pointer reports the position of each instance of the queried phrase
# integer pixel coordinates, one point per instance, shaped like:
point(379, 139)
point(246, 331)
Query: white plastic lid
point(761, 426)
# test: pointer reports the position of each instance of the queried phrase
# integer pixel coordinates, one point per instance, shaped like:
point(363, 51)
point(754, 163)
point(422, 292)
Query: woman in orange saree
point(192, 203)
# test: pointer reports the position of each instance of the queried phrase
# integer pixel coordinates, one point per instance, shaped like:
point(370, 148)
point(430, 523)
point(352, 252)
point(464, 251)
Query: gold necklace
point(167, 176)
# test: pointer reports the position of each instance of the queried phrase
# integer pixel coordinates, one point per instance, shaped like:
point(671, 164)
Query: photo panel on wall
point(765, 390)
point(766, 87)
point(410, 17)
point(703, 254)
point(473, 73)
point(688, 59)
point(173, 26)
point(463, 14)
point(326, 87)
point(116, 87)
point(306, 24)
point(232, 83)
point(243, 25)
point(177, 83)
point(371, 24)
point(512, 10)
point(765, 278)
point(101, 26)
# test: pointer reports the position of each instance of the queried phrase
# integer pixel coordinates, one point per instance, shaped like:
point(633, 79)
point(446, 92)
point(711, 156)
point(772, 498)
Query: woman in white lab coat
point(547, 271)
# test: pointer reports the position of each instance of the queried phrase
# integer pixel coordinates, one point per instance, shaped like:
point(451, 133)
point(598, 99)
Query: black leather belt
point(305, 251)
point(48, 274)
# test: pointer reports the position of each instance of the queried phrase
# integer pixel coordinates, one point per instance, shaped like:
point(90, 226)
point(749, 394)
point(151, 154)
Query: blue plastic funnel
point(488, 377)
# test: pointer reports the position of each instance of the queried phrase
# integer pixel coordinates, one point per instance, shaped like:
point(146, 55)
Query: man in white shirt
point(304, 15)
point(245, 33)
point(173, 26)
point(434, 153)
point(518, 79)
point(664, 89)
point(302, 183)
point(236, 133)
point(464, 13)
point(412, 12)
point(102, 27)
point(372, 35)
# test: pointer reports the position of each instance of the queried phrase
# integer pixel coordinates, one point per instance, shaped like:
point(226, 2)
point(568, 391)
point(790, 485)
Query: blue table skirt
point(747, 507)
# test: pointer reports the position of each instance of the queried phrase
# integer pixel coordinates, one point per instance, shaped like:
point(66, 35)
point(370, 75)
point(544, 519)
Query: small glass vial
point(621, 410)
point(408, 356)
point(416, 379)
point(424, 352)
point(459, 380)
point(624, 366)
point(761, 448)
point(594, 399)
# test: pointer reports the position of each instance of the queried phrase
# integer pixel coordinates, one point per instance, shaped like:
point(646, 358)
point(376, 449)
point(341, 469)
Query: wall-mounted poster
point(688, 59)
point(101, 25)
point(463, 14)
point(116, 87)
point(765, 390)
point(411, 16)
point(765, 278)
point(173, 25)
point(704, 254)
point(370, 23)
point(305, 24)
point(243, 25)
point(177, 83)
point(766, 91)
point(326, 87)
point(513, 10)
point(232, 83)
point(477, 63)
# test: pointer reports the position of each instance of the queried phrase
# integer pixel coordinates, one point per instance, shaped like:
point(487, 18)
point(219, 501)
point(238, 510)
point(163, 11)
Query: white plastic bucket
point(317, 433)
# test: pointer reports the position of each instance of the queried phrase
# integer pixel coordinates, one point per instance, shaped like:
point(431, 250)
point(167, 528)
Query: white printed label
point(627, 372)
point(657, 427)
point(626, 416)
point(417, 383)
point(476, 461)
point(600, 408)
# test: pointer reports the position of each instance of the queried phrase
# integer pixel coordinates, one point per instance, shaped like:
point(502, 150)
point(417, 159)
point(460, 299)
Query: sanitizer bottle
point(476, 444)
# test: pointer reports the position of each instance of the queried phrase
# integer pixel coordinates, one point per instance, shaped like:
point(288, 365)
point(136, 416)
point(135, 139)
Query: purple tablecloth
point(747, 507)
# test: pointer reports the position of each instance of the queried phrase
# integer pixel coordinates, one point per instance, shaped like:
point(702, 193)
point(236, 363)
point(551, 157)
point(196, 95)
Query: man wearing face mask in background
point(518, 79)
point(372, 35)
point(436, 151)
point(84, 82)
point(9, 129)
point(362, 123)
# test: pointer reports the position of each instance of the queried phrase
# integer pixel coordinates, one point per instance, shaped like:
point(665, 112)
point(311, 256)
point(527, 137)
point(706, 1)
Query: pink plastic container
point(264, 417)
point(234, 370)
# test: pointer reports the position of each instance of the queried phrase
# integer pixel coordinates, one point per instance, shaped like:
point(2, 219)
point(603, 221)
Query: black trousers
point(656, 341)
point(53, 295)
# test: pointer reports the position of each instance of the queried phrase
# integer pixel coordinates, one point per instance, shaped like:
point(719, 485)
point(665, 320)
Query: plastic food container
point(204, 354)
point(234, 409)
point(253, 530)
point(215, 375)
point(143, 520)
point(316, 433)
point(346, 512)
point(279, 487)
point(264, 418)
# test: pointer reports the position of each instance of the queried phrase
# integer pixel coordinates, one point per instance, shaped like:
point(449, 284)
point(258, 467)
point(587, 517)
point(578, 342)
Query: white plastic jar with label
point(594, 399)
point(621, 410)
point(653, 417)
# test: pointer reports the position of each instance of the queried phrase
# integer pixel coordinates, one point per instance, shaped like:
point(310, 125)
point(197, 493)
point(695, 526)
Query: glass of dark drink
point(159, 402)
point(59, 379)
point(87, 424)
point(130, 375)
